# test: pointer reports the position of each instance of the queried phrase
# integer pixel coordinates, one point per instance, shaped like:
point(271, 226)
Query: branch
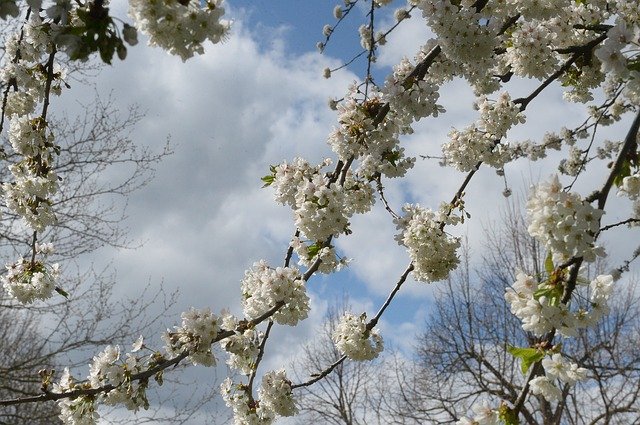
point(321, 375)
point(577, 52)
point(629, 145)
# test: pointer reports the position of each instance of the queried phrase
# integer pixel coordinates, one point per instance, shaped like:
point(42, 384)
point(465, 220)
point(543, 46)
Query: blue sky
point(256, 100)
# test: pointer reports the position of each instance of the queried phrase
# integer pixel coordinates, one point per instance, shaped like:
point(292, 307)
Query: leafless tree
point(69, 331)
point(88, 211)
point(462, 359)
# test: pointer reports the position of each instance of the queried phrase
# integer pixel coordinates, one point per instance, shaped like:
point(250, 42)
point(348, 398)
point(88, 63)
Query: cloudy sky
point(256, 100)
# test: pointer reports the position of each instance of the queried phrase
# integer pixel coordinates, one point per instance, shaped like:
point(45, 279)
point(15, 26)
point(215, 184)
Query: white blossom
point(557, 367)
point(276, 394)
point(353, 339)
point(243, 348)
point(246, 410)
point(542, 385)
point(180, 27)
point(77, 411)
point(630, 186)
point(563, 222)
point(196, 334)
point(264, 287)
point(432, 251)
point(26, 281)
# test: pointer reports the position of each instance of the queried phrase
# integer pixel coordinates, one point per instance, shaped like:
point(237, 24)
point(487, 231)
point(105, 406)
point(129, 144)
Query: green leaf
point(508, 415)
point(572, 77)
point(625, 171)
point(528, 356)
point(392, 157)
point(313, 250)
point(62, 292)
point(548, 264)
point(268, 180)
point(553, 293)
point(159, 378)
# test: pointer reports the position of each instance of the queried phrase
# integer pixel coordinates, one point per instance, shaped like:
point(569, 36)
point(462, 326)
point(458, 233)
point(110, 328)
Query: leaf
point(527, 355)
point(508, 416)
point(392, 157)
point(130, 34)
point(268, 180)
point(62, 292)
point(625, 171)
point(159, 377)
point(552, 292)
point(548, 264)
point(313, 250)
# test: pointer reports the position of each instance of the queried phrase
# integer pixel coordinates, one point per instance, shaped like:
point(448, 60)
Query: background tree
point(463, 358)
point(90, 211)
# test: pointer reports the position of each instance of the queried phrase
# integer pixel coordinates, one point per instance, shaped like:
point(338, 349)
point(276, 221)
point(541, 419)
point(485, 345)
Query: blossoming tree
point(589, 47)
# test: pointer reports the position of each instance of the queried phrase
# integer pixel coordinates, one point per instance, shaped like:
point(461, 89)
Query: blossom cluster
point(484, 45)
point(464, 35)
point(563, 222)
point(611, 53)
point(106, 370)
point(30, 280)
point(481, 142)
point(539, 308)
point(557, 369)
point(196, 334)
point(375, 144)
point(275, 399)
point(263, 288)
point(243, 346)
point(34, 182)
point(321, 207)
point(410, 99)
point(353, 338)
point(275, 393)
point(77, 411)
point(180, 27)
point(432, 251)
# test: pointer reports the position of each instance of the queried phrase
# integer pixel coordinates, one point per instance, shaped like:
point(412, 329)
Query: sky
point(256, 100)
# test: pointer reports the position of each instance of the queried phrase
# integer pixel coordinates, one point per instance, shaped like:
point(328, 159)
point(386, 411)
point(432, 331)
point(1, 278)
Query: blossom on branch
point(263, 288)
point(433, 253)
point(354, 340)
point(563, 222)
point(180, 27)
point(198, 330)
